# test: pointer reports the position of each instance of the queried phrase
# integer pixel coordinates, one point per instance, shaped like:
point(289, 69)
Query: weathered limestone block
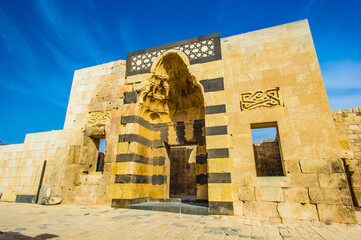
point(336, 213)
point(348, 154)
point(261, 211)
point(216, 120)
point(357, 193)
point(351, 162)
point(299, 195)
point(107, 167)
point(356, 179)
point(44, 193)
point(298, 211)
point(325, 195)
point(51, 200)
point(333, 180)
point(303, 180)
point(9, 196)
point(337, 166)
point(238, 208)
point(219, 141)
point(354, 168)
point(246, 193)
point(315, 166)
point(271, 194)
point(292, 166)
point(74, 154)
point(346, 197)
point(91, 179)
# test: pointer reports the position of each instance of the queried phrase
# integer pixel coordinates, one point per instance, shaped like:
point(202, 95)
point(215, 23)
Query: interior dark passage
point(183, 172)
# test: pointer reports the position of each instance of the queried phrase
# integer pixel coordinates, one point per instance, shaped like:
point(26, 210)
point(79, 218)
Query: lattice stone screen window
point(267, 150)
point(199, 50)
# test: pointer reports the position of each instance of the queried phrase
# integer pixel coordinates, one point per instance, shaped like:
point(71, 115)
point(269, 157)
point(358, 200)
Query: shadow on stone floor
point(17, 235)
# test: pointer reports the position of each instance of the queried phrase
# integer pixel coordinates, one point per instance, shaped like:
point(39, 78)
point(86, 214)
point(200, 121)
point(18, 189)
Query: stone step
point(174, 200)
point(174, 207)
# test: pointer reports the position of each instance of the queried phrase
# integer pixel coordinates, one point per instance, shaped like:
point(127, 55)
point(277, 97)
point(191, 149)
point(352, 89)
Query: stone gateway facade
point(177, 122)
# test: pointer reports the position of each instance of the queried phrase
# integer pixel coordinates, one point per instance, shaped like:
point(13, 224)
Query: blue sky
point(43, 42)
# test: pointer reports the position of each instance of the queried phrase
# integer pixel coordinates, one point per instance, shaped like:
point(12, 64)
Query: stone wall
point(272, 76)
point(266, 77)
point(94, 112)
point(95, 88)
point(21, 164)
point(268, 158)
point(348, 122)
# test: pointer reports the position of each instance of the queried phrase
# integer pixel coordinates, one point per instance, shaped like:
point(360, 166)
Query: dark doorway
point(183, 172)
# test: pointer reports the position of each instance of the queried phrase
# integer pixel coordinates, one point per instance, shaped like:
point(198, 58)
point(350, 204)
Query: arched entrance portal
point(173, 99)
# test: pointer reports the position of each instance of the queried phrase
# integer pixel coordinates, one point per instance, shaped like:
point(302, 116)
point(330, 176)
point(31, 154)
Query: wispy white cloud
point(23, 60)
point(70, 32)
point(125, 34)
point(307, 7)
point(16, 45)
point(15, 86)
point(22, 88)
point(343, 83)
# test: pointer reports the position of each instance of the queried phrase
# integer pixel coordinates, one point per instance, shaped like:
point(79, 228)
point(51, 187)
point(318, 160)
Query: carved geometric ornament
point(198, 50)
point(261, 99)
point(99, 119)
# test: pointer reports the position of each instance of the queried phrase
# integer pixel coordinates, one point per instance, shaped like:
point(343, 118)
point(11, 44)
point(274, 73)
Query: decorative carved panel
point(198, 50)
point(99, 119)
point(261, 99)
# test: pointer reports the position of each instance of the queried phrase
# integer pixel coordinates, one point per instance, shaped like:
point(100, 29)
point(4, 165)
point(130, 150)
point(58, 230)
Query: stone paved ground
point(30, 221)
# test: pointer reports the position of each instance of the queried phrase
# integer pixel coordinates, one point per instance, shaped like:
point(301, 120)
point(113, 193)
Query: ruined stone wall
point(71, 154)
point(273, 76)
point(94, 112)
point(21, 164)
point(268, 158)
point(348, 122)
point(94, 89)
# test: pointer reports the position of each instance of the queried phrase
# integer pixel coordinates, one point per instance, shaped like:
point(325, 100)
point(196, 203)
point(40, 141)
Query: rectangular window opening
point(101, 155)
point(267, 149)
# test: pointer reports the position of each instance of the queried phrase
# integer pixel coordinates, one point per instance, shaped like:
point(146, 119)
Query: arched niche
point(172, 91)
